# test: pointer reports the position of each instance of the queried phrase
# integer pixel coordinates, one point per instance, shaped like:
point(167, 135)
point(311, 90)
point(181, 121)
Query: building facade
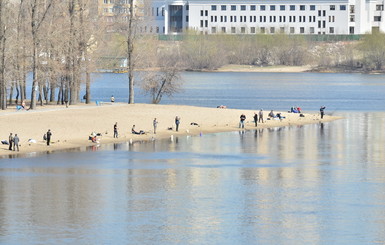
point(339, 17)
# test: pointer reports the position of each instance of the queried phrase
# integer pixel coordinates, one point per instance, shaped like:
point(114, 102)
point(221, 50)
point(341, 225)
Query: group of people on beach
point(258, 117)
point(139, 132)
point(14, 140)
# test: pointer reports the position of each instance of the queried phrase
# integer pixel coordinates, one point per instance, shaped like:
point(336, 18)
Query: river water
point(314, 184)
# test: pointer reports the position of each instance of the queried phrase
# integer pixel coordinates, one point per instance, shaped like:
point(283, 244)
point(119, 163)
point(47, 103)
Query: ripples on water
point(314, 184)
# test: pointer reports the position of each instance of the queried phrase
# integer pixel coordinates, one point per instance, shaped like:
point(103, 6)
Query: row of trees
point(60, 42)
point(52, 39)
point(214, 51)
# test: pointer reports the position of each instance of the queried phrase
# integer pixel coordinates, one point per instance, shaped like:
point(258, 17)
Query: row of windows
point(265, 18)
point(320, 13)
point(272, 7)
point(272, 30)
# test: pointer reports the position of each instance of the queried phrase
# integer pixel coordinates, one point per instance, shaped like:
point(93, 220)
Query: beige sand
point(72, 126)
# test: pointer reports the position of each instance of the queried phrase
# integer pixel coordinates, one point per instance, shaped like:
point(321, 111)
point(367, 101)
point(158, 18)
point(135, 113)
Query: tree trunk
point(88, 88)
point(130, 51)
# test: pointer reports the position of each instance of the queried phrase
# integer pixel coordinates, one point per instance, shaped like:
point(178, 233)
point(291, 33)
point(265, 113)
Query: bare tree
point(3, 32)
point(38, 11)
point(165, 81)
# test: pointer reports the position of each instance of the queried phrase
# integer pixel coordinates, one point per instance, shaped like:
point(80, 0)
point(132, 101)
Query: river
point(313, 184)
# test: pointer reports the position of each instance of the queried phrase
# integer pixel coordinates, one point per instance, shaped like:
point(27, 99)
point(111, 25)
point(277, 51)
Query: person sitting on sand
point(136, 132)
point(271, 114)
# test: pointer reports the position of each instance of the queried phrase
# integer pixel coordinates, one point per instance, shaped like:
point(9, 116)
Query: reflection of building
point(251, 17)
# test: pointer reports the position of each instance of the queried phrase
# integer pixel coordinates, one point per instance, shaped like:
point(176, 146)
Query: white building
point(333, 17)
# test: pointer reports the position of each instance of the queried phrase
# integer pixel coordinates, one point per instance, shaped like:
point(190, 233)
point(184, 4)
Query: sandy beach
point(72, 126)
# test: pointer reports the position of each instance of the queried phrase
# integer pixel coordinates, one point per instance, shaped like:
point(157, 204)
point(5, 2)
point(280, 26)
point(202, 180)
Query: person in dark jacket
point(256, 119)
point(10, 141)
point(322, 111)
point(49, 134)
point(242, 121)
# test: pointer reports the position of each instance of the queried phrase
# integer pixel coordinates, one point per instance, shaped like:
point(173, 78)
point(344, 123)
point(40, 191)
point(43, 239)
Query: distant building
point(333, 17)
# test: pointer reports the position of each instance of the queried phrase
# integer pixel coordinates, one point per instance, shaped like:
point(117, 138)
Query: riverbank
point(248, 68)
point(71, 127)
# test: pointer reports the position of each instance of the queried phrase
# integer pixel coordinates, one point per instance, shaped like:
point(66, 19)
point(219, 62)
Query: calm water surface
point(315, 184)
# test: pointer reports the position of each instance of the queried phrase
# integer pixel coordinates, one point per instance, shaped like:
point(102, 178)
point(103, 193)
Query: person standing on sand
point(10, 141)
point(116, 130)
point(112, 99)
point(16, 141)
point(155, 123)
point(260, 116)
point(255, 119)
point(177, 122)
point(49, 134)
point(322, 111)
point(242, 121)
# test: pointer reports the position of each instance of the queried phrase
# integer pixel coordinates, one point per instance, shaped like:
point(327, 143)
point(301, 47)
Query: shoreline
point(71, 127)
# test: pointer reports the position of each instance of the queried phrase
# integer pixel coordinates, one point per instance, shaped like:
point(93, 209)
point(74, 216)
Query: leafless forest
point(61, 42)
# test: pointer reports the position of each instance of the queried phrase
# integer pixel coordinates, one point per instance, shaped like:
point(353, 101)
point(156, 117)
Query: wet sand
point(71, 127)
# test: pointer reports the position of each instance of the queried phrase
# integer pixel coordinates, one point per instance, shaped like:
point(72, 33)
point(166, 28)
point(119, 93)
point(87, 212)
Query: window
point(263, 7)
point(213, 30)
point(232, 29)
point(272, 30)
point(351, 8)
point(253, 8)
point(223, 7)
point(206, 23)
point(342, 7)
point(311, 30)
point(206, 13)
point(233, 7)
point(187, 7)
point(243, 7)
point(302, 30)
point(380, 7)
point(263, 30)
point(201, 12)
point(243, 30)
point(292, 30)
point(377, 18)
point(282, 30)
point(312, 7)
point(331, 30)
point(282, 7)
point(351, 30)
point(332, 7)
point(252, 29)
point(201, 23)
point(319, 12)
point(292, 7)
point(105, 1)
point(272, 7)
point(186, 18)
point(302, 7)
point(324, 13)
point(223, 29)
point(213, 7)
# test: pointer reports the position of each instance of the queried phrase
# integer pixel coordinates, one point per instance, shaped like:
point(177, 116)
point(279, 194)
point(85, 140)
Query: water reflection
point(320, 183)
